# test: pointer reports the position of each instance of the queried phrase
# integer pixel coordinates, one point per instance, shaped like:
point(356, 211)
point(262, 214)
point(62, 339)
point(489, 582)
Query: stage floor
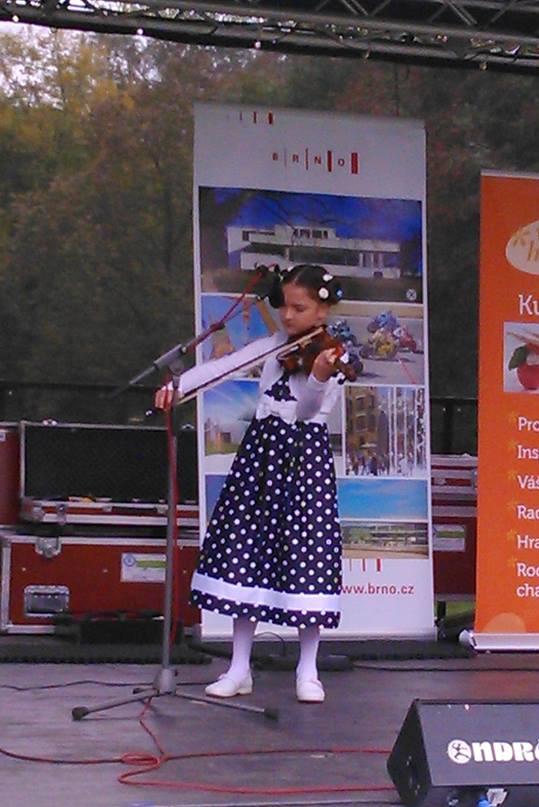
point(364, 708)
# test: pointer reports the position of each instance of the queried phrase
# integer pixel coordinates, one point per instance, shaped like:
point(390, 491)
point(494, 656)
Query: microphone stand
point(164, 682)
point(172, 359)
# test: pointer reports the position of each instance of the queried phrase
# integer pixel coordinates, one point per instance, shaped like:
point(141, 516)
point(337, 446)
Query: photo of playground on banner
point(385, 345)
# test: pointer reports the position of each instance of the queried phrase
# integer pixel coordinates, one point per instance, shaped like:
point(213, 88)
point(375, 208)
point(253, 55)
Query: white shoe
point(227, 687)
point(309, 690)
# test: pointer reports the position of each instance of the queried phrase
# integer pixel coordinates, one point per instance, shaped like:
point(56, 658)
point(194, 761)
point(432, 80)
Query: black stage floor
point(314, 761)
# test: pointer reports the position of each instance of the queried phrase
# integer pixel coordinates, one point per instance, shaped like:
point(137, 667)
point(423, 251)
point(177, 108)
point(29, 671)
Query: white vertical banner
point(287, 187)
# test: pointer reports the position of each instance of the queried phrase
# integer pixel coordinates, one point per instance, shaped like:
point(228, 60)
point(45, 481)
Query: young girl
point(272, 551)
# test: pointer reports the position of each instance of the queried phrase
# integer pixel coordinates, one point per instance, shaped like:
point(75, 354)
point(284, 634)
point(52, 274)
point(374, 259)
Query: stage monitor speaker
point(451, 753)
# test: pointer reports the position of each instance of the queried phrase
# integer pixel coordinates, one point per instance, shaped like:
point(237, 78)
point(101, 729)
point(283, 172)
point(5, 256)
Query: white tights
point(242, 641)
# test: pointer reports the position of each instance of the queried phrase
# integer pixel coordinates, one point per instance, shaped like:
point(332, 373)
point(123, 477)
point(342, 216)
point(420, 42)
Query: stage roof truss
point(503, 34)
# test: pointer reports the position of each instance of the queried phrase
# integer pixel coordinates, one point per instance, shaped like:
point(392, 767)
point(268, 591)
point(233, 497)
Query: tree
point(96, 160)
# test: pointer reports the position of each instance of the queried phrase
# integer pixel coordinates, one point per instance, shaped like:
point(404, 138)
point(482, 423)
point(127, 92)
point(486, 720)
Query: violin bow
point(280, 350)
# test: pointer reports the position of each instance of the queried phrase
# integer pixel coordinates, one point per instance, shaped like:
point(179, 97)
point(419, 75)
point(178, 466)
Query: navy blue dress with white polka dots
point(272, 551)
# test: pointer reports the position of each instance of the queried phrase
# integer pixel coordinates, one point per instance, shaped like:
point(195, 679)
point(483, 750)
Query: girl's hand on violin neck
point(163, 397)
point(323, 366)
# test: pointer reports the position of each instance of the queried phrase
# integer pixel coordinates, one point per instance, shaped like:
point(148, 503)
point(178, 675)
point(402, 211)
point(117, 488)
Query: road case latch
point(48, 547)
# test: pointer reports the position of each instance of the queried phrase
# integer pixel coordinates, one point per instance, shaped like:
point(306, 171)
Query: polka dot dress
point(272, 551)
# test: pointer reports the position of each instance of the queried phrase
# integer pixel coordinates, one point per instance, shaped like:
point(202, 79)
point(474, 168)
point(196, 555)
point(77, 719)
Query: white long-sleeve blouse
point(314, 399)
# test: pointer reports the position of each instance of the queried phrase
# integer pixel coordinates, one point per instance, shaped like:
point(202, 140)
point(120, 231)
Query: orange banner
point(508, 470)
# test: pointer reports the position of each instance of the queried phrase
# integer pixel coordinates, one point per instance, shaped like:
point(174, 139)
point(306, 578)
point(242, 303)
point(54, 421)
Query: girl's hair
point(322, 286)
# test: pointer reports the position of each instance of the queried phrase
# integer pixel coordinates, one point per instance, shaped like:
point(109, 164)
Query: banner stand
point(500, 642)
point(507, 612)
point(284, 187)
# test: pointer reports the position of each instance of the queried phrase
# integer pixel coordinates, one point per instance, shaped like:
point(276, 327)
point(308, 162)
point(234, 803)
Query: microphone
point(273, 294)
point(266, 270)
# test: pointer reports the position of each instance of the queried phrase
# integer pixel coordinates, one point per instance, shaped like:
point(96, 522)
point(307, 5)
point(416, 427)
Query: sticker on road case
point(143, 568)
point(449, 537)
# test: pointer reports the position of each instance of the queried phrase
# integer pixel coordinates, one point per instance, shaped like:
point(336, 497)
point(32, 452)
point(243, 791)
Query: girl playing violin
point(272, 551)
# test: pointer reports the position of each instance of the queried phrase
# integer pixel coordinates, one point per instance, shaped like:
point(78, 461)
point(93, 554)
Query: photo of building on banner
point(373, 245)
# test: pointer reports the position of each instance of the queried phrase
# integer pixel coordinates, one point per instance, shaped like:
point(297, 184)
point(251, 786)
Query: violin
point(301, 357)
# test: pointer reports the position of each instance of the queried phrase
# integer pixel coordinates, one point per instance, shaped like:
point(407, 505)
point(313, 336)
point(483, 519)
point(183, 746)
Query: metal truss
point(502, 34)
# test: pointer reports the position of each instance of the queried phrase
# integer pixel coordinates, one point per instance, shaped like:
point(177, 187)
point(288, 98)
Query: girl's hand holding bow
point(165, 397)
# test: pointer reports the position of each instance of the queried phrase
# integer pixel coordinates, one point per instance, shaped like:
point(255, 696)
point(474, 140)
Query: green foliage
point(96, 189)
